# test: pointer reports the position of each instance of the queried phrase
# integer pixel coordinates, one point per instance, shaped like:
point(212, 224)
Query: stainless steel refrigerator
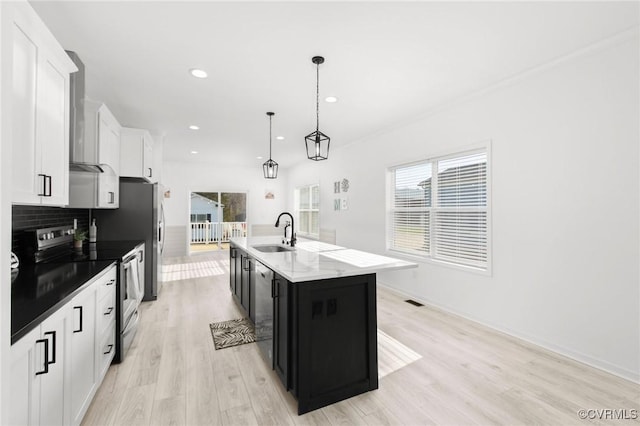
point(139, 217)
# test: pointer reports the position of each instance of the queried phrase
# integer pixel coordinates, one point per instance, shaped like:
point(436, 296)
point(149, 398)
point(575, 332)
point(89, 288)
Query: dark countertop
point(109, 250)
point(37, 291)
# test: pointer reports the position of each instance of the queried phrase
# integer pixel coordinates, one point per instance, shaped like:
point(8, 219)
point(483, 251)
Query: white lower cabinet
point(105, 327)
point(37, 373)
point(81, 353)
point(57, 368)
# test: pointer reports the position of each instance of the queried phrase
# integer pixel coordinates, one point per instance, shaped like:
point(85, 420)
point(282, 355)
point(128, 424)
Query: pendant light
point(317, 142)
point(270, 167)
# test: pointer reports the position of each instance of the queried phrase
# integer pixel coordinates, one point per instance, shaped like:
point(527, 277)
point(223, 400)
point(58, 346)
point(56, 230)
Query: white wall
point(5, 215)
point(182, 179)
point(565, 194)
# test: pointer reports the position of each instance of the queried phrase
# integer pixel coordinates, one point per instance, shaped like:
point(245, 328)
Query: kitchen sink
point(272, 248)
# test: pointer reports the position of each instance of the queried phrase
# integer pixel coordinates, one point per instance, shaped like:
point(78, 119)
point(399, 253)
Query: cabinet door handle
point(44, 185)
point(110, 348)
point(53, 347)
point(140, 256)
point(112, 197)
point(50, 180)
point(109, 311)
point(79, 330)
point(46, 356)
point(150, 172)
point(111, 282)
point(233, 253)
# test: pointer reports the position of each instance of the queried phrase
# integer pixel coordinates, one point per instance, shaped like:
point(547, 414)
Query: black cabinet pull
point(112, 197)
point(46, 356)
point(44, 185)
point(140, 256)
point(111, 282)
point(50, 180)
point(53, 347)
point(80, 309)
point(109, 311)
point(150, 172)
point(108, 350)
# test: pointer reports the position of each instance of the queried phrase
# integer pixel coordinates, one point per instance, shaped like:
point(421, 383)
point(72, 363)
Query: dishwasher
point(264, 311)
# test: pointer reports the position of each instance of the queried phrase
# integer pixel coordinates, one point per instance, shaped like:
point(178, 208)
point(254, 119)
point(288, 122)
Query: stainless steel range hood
point(79, 154)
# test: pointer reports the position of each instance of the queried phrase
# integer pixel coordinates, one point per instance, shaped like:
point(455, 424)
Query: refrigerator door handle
point(161, 230)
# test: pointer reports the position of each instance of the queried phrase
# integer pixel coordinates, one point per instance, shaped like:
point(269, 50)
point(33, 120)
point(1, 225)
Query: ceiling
point(387, 62)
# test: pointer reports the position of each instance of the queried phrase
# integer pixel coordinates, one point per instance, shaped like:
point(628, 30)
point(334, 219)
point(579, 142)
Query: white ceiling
point(387, 62)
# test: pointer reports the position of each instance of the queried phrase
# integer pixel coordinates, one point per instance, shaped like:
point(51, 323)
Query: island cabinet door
point(233, 253)
point(245, 282)
point(336, 340)
point(236, 261)
point(281, 321)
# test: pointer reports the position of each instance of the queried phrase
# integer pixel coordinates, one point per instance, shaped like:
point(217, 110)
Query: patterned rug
point(232, 333)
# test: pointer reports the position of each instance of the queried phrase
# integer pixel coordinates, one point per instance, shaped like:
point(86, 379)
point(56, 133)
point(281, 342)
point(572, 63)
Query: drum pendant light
point(270, 167)
point(317, 143)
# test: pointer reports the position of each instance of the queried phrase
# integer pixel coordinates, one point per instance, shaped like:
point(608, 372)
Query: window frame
point(309, 210)
point(429, 258)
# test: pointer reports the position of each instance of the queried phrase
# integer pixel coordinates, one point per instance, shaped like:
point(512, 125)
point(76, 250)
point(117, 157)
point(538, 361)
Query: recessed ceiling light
point(259, 157)
point(194, 152)
point(280, 138)
point(331, 99)
point(198, 73)
point(194, 127)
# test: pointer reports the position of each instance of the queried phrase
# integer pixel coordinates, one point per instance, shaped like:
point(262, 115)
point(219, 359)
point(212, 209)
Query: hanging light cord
point(317, 97)
point(270, 137)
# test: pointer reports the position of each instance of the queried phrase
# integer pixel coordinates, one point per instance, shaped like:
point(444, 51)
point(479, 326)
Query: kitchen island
point(314, 308)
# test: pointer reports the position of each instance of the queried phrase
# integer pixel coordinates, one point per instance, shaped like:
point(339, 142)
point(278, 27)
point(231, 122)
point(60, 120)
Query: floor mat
point(232, 333)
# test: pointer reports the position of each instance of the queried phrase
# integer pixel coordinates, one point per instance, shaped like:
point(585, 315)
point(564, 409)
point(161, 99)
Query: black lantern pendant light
point(317, 142)
point(270, 167)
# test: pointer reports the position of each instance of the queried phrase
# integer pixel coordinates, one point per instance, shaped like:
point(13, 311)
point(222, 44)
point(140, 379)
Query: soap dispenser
point(93, 231)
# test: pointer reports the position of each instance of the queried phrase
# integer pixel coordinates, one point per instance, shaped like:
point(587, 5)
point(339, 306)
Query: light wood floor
point(468, 374)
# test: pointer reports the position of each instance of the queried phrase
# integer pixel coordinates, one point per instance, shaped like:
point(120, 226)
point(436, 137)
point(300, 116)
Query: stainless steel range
point(55, 245)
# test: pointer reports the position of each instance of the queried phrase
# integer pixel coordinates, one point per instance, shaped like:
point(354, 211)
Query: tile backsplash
point(34, 217)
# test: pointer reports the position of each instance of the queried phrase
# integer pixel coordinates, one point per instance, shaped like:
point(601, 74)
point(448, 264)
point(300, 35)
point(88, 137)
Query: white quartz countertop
point(314, 260)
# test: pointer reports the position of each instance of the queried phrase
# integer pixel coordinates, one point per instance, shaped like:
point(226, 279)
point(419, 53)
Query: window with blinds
point(439, 209)
point(307, 199)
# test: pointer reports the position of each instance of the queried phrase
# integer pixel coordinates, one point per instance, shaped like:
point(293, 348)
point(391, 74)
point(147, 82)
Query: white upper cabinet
point(109, 137)
point(101, 141)
point(136, 154)
point(40, 108)
point(100, 145)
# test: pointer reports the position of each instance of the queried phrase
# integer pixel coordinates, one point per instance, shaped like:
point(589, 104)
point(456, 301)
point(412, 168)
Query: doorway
point(214, 218)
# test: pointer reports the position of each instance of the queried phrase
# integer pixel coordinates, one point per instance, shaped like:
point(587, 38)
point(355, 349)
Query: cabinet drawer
point(107, 283)
point(107, 349)
point(106, 312)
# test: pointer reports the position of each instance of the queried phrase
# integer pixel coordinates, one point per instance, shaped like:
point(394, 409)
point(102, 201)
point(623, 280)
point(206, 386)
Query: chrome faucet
point(292, 241)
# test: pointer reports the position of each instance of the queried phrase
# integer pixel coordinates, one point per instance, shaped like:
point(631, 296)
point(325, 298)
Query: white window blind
point(410, 225)
point(308, 210)
point(442, 217)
